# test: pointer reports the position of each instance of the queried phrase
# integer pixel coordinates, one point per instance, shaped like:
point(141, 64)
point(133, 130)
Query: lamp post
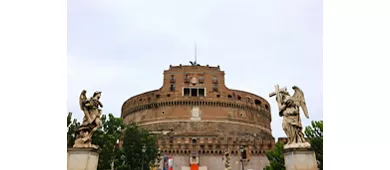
point(242, 160)
point(143, 153)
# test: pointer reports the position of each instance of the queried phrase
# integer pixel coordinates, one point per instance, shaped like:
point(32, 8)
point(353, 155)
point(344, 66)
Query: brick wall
point(227, 118)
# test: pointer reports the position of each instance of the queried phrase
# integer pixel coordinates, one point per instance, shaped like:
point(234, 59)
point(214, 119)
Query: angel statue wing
point(298, 95)
point(82, 99)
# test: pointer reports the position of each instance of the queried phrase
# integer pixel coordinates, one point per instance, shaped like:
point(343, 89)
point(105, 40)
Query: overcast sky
point(121, 47)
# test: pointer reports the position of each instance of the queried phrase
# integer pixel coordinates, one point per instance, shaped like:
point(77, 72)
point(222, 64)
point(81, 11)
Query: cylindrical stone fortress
point(194, 112)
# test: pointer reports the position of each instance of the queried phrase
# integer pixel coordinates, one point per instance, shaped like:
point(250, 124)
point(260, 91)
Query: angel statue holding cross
point(289, 110)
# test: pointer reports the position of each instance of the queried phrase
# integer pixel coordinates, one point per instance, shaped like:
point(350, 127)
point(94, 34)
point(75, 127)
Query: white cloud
point(122, 47)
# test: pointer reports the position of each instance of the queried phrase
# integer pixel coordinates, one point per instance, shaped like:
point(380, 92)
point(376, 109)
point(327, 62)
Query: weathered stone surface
point(203, 168)
point(185, 168)
point(82, 159)
point(216, 162)
point(300, 159)
point(289, 109)
point(91, 121)
point(206, 124)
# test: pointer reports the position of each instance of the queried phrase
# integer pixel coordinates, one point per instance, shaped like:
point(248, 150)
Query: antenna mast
point(193, 63)
point(196, 50)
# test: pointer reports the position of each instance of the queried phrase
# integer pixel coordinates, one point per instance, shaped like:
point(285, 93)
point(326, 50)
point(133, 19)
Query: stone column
point(82, 159)
point(300, 159)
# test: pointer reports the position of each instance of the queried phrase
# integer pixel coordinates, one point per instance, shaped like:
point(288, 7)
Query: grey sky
point(121, 47)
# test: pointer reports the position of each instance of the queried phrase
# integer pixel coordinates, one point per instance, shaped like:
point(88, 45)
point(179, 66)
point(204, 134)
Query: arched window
point(201, 79)
point(257, 102)
point(172, 88)
point(215, 88)
point(248, 100)
point(230, 96)
point(172, 79)
point(186, 79)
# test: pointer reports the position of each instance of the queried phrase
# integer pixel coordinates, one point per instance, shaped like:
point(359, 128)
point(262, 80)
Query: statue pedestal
point(82, 159)
point(300, 159)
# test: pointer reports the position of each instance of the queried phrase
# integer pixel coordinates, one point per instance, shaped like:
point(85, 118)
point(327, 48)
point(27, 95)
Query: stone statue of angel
point(289, 110)
point(91, 121)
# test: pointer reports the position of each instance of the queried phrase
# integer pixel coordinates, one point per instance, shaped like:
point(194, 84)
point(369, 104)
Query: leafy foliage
point(133, 141)
point(276, 158)
point(106, 138)
point(315, 134)
point(72, 127)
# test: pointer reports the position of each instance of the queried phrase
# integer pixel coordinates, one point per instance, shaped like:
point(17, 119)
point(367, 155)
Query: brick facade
point(194, 111)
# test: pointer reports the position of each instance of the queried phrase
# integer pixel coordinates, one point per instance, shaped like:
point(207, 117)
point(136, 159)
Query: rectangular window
point(194, 92)
point(186, 92)
point(201, 92)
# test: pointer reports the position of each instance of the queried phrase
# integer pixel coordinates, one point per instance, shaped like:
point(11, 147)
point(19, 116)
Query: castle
point(197, 119)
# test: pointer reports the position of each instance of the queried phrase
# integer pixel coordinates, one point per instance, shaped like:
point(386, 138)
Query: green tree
point(276, 157)
point(106, 138)
point(133, 141)
point(315, 134)
point(72, 127)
